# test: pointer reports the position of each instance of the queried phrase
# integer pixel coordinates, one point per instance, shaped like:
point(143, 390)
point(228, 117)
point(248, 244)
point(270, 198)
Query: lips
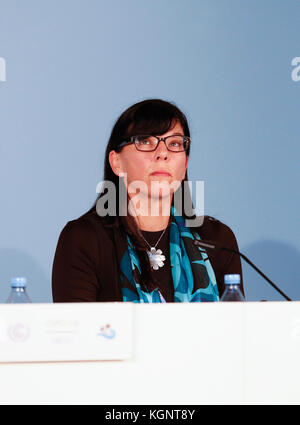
point(160, 173)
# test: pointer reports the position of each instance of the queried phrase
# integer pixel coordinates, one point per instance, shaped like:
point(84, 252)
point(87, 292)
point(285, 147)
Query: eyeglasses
point(146, 143)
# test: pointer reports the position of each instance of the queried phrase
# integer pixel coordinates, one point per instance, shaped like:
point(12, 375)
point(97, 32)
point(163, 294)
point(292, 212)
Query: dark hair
point(154, 117)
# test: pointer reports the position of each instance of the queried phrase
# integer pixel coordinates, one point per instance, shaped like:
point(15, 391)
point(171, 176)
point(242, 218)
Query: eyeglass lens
point(148, 143)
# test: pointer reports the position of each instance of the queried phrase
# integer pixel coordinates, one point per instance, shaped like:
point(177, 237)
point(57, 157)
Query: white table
point(183, 353)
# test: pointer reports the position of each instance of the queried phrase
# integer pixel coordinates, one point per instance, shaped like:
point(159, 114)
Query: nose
point(161, 151)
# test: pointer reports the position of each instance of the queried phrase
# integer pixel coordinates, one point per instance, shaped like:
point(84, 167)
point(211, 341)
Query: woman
point(124, 249)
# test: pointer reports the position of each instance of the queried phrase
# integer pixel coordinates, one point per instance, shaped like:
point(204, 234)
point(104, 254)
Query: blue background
point(73, 67)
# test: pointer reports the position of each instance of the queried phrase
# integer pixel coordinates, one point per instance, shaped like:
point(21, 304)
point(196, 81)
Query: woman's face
point(140, 166)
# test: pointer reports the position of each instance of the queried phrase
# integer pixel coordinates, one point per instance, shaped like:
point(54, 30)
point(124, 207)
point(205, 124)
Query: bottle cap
point(18, 282)
point(232, 279)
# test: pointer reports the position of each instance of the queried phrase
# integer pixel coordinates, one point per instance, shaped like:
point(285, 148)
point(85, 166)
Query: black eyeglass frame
point(132, 139)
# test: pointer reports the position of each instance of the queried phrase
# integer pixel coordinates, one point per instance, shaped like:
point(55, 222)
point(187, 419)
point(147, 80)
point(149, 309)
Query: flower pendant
point(156, 258)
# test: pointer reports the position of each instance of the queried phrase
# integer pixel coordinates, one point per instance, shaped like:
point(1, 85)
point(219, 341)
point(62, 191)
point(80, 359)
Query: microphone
point(215, 245)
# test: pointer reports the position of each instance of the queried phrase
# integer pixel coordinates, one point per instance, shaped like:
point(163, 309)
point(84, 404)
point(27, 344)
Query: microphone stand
point(212, 245)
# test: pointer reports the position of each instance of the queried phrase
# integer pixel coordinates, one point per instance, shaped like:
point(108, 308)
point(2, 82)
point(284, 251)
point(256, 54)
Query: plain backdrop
point(73, 66)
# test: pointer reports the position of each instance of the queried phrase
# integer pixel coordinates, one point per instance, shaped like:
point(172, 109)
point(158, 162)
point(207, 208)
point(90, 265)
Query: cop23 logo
point(2, 70)
point(107, 332)
point(296, 71)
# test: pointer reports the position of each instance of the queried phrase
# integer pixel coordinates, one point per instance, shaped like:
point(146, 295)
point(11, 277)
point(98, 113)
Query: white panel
point(272, 352)
point(71, 331)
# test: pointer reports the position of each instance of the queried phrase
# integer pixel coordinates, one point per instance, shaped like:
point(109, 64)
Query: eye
point(146, 140)
point(176, 142)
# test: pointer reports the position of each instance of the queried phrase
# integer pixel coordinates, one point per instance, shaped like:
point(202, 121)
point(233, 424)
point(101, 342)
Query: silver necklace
point(156, 257)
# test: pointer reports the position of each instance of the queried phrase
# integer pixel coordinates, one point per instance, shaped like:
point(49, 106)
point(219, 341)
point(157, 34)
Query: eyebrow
point(175, 134)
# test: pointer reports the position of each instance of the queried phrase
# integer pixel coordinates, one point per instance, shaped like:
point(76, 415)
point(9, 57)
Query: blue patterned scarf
point(193, 276)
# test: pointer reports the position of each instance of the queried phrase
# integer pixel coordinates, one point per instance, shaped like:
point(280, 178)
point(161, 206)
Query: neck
point(156, 219)
point(152, 224)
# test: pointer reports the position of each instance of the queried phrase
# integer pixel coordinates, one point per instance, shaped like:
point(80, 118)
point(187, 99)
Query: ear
point(186, 162)
point(114, 161)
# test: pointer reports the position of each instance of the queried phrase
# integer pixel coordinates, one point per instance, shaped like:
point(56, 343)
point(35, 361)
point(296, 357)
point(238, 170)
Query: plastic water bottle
point(18, 293)
point(232, 291)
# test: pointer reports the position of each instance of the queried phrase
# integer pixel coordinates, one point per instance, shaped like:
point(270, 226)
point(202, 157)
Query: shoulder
point(78, 229)
point(215, 230)
point(92, 232)
point(85, 230)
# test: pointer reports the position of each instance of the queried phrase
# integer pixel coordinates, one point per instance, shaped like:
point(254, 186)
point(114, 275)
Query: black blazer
point(89, 251)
